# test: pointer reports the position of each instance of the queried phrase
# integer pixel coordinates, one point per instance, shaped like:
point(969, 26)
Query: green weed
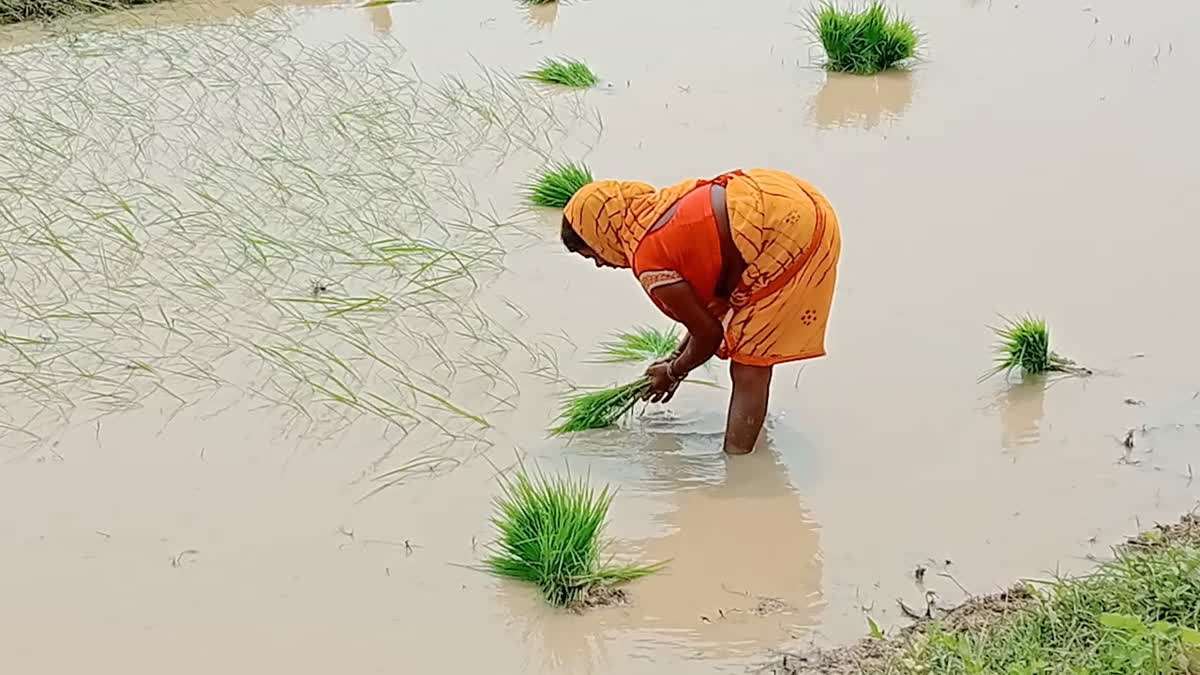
point(549, 533)
point(641, 344)
point(566, 72)
point(599, 409)
point(554, 187)
point(863, 41)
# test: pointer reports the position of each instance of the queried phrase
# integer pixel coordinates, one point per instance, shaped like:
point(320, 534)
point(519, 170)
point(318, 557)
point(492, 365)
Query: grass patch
point(1137, 614)
point(863, 41)
point(549, 533)
point(555, 186)
point(641, 344)
point(565, 72)
point(599, 409)
point(1023, 345)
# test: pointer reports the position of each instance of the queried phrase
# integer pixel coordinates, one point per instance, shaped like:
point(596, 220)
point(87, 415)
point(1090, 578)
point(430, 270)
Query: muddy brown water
point(1041, 160)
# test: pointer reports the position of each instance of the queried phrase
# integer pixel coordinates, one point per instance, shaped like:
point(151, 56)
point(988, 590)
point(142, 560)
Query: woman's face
point(595, 257)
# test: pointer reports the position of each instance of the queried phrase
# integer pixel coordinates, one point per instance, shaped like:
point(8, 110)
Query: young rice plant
point(554, 187)
point(640, 344)
point(566, 72)
point(864, 41)
point(549, 533)
point(599, 409)
point(1023, 345)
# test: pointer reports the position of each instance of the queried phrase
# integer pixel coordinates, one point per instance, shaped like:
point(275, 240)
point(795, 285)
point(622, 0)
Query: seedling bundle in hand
point(604, 407)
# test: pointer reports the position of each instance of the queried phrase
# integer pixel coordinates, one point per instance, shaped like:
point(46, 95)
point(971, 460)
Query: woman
point(746, 261)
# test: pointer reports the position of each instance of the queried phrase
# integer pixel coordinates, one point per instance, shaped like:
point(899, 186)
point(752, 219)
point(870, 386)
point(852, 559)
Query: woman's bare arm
point(705, 332)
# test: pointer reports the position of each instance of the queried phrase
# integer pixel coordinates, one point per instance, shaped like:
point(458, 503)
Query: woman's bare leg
point(747, 406)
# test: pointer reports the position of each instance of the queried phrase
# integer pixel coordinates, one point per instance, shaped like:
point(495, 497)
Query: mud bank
point(904, 652)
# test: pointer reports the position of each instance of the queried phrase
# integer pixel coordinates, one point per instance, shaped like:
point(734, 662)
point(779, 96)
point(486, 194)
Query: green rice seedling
point(549, 533)
point(554, 187)
point(640, 344)
point(537, 2)
point(863, 41)
point(567, 72)
point(599, 409)
point(1023, 344)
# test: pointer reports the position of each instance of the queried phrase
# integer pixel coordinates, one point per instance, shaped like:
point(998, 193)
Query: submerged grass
point(549, 533)
point(13, 11)
point(601, 408)
point(643, 343)
point(1139, 614)
point(1023, 345)
point(565, 72)
point(200, 214)
point(555, 186)
point(863, 41)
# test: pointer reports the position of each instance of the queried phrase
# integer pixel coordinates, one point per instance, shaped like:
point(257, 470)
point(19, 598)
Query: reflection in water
point(744, 553)
point(1022, 406)
point(862, 100)
point(541, 15)
point(381, 19)
point(744, 570)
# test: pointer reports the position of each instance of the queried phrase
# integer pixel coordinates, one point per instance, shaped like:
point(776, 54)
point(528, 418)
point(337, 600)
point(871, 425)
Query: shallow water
point(1036, 161)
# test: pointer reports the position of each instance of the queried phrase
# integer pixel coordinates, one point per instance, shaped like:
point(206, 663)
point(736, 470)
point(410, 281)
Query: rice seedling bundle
point(1023, 345)
point(565, 72)
point(643, 343)
point(549, 533)
point(555, 186)
point(863, 41)
point(601, 408)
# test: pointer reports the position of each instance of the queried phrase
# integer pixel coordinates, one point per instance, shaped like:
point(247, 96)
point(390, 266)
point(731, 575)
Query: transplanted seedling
point(863, 41)
point(1023, 345)
point(640, 344)
point(555, 186)
point(601, 408)
point(549, 533)
point(566, 72)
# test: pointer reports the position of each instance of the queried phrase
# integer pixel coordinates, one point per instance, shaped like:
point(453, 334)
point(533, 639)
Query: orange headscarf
point(612, 216)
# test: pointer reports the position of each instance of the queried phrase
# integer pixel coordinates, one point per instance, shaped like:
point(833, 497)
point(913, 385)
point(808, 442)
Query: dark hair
point(571, 238)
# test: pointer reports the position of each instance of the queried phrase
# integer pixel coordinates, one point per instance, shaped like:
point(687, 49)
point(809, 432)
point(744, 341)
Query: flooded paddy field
point(273, 315)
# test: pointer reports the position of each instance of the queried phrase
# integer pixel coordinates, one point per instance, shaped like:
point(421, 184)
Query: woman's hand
point(662, 383)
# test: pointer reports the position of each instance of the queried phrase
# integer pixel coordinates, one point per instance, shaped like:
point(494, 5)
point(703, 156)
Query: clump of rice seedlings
point(641, 344)
point(549, 533)
point(601, 408)
point(863, 41)
point(566, 72)
point(537, 2)
point(555, 186)
point(1023, 345)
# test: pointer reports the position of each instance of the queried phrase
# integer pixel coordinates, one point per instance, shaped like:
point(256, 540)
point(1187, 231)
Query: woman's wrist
point(672, 372)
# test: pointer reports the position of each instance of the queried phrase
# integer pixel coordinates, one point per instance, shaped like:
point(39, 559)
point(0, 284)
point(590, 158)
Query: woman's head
point(598, 221)
point(576, 244)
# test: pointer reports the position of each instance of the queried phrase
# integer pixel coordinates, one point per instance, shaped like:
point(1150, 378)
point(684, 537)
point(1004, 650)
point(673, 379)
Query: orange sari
point(784, 228)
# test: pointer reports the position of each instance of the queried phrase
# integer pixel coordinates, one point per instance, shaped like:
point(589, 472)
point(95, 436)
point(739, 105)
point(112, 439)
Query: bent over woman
point(747, 261)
